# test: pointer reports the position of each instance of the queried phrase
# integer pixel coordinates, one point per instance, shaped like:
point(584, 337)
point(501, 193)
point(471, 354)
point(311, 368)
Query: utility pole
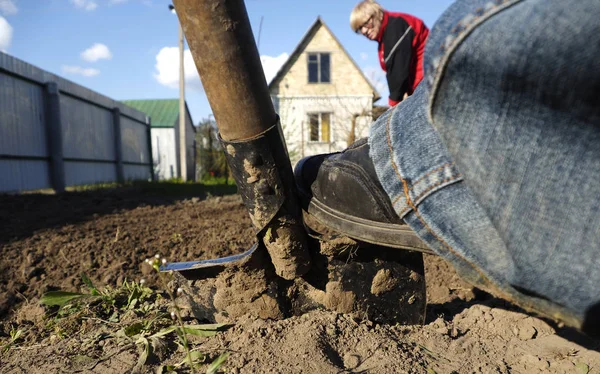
point(182, 137)
point(182, 116)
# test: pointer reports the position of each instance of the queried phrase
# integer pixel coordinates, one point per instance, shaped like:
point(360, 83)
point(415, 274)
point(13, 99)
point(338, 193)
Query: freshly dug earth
point(47, 241)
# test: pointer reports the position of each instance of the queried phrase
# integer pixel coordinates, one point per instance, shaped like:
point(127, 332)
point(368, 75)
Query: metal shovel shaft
point(220, 38)
point(222, 45)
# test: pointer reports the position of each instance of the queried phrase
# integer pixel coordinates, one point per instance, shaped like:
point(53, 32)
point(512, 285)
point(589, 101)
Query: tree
point(210, 156)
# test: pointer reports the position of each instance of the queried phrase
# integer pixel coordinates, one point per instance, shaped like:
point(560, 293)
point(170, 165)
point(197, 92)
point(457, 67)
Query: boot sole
point(385, 234)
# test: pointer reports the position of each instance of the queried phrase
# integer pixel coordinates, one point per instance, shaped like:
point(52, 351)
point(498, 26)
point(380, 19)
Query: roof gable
point(302, 45)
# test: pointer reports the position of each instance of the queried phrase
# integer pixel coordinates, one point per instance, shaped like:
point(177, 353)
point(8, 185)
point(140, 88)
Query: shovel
point(286, 270)
point(222, 44)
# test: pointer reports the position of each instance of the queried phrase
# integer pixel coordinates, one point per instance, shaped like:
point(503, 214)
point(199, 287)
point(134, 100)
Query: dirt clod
point(351, 360)
point(286, 242)
point(240, 292)
point(384, 282)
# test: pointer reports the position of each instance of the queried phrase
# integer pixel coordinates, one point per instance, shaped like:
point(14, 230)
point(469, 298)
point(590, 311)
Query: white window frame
point(320, 113)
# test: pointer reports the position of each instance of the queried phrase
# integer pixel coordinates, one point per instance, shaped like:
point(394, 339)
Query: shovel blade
point(210, 267)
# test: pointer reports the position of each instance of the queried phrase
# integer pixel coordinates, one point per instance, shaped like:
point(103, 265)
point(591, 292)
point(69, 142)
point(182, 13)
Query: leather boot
point(341, 190)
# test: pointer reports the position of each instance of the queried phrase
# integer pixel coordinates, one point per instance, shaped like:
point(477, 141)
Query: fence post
point(116, 112)
point(54, 136)
point(149, 137)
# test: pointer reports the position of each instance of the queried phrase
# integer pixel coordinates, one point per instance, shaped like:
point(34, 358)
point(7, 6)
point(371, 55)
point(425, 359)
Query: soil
point(47, 241)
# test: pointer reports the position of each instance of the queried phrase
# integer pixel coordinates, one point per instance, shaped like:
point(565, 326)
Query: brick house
point(323, 98)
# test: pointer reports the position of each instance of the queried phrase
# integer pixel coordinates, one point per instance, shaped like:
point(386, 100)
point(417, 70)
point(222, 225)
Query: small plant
point(106, 303)
point(181, 330)
point(149, 331)
point(216, 364)
point(14, 336)
point(176, 238)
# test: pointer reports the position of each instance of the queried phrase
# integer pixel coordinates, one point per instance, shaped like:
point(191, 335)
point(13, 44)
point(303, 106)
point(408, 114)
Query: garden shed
point(164, 117)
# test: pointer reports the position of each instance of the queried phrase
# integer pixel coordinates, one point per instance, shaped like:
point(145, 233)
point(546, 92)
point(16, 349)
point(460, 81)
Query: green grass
point(173, 187)
point(94, 187)
point(186, 189)
point(211, 181)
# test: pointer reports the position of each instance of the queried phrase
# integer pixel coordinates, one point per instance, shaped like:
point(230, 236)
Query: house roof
point(163, 112)
point(300, 47)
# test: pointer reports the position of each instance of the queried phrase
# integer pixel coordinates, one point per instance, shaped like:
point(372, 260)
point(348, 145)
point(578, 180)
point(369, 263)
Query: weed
point(214, 366)
point(14, 336)
point(107, 303)
point(175, 314)
point(193, 358)
point(176, 238)
point(145, 322)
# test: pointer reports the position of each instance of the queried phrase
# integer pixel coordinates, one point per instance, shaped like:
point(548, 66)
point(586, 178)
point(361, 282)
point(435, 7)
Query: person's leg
point(514, 93)
point(495, 160)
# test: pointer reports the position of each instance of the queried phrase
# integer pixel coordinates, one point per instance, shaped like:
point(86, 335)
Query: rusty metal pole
point(220, 38)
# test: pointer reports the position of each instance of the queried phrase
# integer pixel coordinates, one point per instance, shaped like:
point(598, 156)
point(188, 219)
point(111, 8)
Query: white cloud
point(8, 7)
point(78, 70)
point(6, 32)
point(88, 5)
point(167, 68)
point(271, 65)
point(96, 52)
point(364, 56)
point(377, 78)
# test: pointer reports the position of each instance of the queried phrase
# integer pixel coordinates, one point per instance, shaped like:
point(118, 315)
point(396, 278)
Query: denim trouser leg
point(495, 160)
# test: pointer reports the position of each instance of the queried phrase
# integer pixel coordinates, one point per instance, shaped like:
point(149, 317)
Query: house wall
point(164, 148)
point(348, 94)
point(345, 79)
point(293, 112)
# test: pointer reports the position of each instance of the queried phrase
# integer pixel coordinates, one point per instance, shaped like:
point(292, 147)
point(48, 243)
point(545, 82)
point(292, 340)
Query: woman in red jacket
point(401, 38)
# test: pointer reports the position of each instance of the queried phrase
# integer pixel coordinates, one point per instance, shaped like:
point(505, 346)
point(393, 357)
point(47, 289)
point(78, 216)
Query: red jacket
point(401, 47)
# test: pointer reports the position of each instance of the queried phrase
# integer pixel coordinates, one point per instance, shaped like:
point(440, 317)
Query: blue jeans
point(495, 160)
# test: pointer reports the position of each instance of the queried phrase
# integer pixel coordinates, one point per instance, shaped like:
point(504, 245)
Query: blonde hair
point(363, 11)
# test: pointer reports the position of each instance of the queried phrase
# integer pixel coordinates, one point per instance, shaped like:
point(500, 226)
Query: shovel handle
point(223, 47)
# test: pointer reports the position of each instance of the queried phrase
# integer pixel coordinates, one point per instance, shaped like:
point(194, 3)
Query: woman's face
point(371, 27)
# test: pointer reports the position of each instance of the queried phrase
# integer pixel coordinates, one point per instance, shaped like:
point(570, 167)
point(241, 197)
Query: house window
point(319, 68)
point(320, 125)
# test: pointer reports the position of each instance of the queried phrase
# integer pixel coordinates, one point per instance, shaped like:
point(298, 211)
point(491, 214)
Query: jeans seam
point(426, 191)
point(462, 29)
point(425, 225)
point(431, 172)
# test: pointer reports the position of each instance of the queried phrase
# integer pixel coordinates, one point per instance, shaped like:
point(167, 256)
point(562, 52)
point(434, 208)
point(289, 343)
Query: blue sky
point(127, 49)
